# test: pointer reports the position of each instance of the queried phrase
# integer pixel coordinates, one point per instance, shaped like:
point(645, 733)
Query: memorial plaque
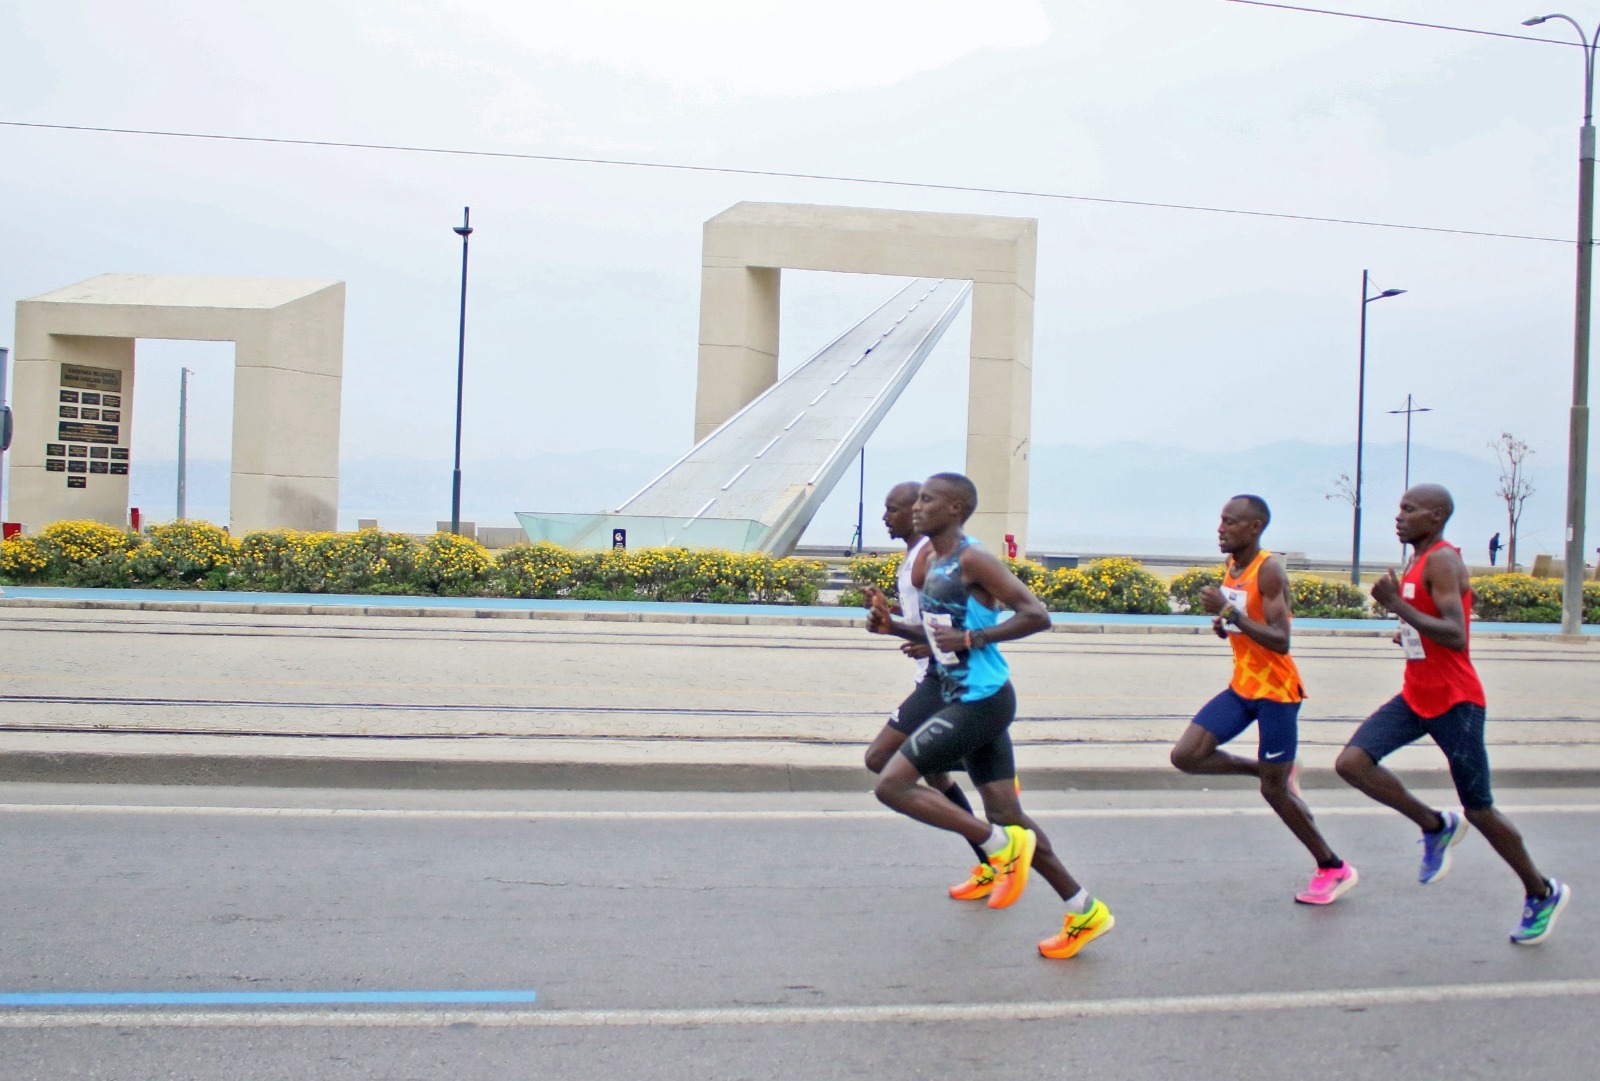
point(76, 466)
point(111, 416)
point(88, 414)
point(77, 482)
point(70, 397)
point(83, 377)
point(119, 469)
point(55, 465)
point(99, 467)
point(112, 401)
point(77, 452)
point(99, 452)
point(79, 432)
point(68, 412)
point(91, 399)
point(119, 454)
point(58, 450)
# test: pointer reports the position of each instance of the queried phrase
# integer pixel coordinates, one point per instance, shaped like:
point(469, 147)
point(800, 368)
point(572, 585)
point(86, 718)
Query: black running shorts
point(919, 705)
point(973, 736)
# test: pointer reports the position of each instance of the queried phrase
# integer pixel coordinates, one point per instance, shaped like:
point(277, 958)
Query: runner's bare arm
point(1272, 632)
point(1445, 580)
point(982, 570)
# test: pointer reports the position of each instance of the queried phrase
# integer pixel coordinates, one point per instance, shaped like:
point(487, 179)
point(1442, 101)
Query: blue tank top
point(977, 673)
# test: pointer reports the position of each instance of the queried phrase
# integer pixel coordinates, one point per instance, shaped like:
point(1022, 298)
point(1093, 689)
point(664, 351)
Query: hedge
point(1310, 595)
point(193, 554)
point(1106, 585)
point(1517, 598)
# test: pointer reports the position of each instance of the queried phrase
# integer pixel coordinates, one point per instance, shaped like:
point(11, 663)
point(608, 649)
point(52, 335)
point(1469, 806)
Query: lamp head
point(1390, 293)
point(1535, 21)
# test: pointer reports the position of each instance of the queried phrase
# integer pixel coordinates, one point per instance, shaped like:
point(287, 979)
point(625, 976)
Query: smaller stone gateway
point(74, 400)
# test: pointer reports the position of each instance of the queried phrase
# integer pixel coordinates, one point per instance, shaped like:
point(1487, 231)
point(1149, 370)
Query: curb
point(283, 771)
point(721, 619)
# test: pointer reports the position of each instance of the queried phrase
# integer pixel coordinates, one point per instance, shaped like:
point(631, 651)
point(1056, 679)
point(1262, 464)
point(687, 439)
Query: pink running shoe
point(1328, 885)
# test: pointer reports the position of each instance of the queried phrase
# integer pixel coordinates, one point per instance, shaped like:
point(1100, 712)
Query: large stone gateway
point(74, 393)
point(745, 250)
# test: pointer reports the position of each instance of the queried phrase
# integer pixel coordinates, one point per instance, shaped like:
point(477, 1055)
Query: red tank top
point(1437, 677)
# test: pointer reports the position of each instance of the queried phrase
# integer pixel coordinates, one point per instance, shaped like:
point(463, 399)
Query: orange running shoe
point(977, 887)
point(1078, 930)
point(1011, 866)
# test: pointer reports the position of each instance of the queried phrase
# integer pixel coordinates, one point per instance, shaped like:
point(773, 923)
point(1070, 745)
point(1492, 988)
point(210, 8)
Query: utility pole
point(464, 230)
point(183, 442)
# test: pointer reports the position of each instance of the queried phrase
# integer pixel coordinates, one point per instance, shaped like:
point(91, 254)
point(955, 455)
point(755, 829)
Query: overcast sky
point(1175, 327)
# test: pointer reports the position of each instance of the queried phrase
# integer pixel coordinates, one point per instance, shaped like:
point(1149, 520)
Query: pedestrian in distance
point(1251, 611)
point(925, 700)
point(963, 591)
point(1494, 548)
point(1442, 697)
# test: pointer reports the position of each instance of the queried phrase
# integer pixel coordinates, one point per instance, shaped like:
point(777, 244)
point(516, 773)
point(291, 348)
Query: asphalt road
point(797, 936)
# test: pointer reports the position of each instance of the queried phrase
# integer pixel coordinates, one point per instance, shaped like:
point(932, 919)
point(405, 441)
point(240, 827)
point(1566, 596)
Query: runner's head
point(947, 499)
point(897, 507)
point(1244, 519)
point(1424, 510)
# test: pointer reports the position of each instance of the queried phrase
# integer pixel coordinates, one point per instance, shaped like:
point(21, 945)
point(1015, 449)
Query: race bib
point(1240, 599)
point(932, 622)
point(1408, 591)
point(1411, 642)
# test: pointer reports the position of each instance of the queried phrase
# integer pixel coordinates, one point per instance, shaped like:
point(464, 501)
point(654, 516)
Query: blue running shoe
point(1436, 847)
point(1539, 915)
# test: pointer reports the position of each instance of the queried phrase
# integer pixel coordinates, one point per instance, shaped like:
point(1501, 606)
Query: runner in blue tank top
point(962, 593)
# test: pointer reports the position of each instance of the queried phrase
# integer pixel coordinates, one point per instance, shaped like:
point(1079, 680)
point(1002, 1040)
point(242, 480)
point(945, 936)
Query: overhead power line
point(1407, 22)
point(727, 170)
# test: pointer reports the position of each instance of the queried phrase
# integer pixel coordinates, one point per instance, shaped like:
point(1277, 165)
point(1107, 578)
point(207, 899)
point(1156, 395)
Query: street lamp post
point(1408, 410)
point(464, 230)
point(1578, 423)
point(1361, 422)
point(183, 442)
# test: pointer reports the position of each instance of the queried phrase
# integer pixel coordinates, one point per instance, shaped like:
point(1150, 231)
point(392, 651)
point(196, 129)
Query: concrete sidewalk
point(752, 615)
point(458, 701)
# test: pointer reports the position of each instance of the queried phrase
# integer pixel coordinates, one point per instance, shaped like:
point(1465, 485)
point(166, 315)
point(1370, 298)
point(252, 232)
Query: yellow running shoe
point(977, 887)
point(1077, 931)
point(1011, 866)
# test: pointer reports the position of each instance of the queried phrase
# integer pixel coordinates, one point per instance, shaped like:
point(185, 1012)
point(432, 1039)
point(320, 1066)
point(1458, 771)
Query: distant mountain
point(1138, 498)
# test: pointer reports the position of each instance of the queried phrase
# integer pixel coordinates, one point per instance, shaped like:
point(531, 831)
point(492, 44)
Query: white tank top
point(910, 608)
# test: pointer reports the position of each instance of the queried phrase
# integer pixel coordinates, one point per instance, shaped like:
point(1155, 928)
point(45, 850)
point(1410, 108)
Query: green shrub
point(1316, 597)
point(1517, 598)
point(452, 566)
point(1115, 585)
point(1186, 587)
point(876, 570)
point(542, 570)
point(183, 553)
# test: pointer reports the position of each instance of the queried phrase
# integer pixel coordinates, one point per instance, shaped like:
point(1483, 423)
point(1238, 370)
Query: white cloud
point(735, 48)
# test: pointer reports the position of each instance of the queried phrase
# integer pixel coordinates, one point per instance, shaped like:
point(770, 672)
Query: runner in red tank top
point(1441, 697)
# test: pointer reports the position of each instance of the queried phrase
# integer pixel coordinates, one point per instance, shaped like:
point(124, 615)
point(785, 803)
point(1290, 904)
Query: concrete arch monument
point(74, 402)
point(746, 248)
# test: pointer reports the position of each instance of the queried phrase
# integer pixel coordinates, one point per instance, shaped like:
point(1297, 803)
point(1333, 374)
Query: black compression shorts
point(974, 736)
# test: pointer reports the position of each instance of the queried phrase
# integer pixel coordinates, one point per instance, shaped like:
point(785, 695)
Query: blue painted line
point(259, 998)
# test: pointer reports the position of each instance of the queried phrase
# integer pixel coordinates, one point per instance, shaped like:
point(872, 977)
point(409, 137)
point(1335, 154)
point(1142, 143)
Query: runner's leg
point(1390, 728)
point(1277, 724)
point(1219, 720)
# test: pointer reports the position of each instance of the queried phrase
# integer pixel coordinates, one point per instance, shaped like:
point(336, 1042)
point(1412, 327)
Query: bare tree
point(1515, 487)
point(1343, 488)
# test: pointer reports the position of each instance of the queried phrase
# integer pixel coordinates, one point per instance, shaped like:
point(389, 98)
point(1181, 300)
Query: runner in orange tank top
point(1252, 613)
point(1442, 698)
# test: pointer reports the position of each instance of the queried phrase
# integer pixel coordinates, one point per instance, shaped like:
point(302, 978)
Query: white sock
point(1079, 902)
point(996, 843)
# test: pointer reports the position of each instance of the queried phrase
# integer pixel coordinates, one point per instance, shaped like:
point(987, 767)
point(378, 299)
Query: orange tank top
point(1258, 672)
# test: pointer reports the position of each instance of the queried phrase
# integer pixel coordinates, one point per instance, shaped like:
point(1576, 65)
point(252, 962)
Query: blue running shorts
point(1277, 723)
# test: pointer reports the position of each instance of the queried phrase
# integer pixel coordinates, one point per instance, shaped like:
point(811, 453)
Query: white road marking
point(711, 815)
point(1249, 1002)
